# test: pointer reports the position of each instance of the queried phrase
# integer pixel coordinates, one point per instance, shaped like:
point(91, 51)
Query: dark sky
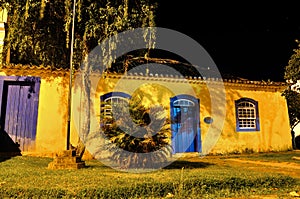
point(246, 39)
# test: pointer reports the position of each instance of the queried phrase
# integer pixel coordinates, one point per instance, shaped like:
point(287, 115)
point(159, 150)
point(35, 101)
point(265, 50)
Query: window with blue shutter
point(247, 117)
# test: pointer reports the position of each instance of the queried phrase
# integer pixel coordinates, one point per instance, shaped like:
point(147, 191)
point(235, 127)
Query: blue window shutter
point(239, 126)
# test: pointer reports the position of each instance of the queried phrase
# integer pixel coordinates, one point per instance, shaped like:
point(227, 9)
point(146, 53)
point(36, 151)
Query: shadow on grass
point(8, 148)
point(179, 164)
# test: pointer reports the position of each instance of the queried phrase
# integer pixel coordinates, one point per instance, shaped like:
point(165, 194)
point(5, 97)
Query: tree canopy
point(39, 32)
point(292, 70)
point(291, 75)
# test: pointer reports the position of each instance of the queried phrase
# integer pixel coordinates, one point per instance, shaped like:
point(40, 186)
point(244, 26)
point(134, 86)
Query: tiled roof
point(47, 71)
point(237, 83)
point(19, 69)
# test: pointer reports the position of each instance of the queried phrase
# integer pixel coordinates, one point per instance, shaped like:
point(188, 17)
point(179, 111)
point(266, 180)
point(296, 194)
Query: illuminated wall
point(273, 134)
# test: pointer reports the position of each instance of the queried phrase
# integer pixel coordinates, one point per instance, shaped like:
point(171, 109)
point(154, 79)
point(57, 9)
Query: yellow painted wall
point(52, 117)
point(52, 109)
point(274, 134)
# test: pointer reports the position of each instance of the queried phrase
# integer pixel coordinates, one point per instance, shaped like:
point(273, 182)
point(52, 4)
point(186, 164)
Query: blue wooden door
point(19, 104)
point(185, 124)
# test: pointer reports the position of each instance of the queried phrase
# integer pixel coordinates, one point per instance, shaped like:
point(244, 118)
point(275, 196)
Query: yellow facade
point(274, 133)
point(219, 137)
point(52, 108)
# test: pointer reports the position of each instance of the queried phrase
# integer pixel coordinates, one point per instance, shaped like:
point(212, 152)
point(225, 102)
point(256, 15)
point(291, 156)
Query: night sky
point(247, 40)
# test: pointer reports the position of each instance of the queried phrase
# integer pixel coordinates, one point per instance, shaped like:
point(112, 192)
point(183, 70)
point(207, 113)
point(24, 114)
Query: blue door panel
point(185, 125)
point(19, 109)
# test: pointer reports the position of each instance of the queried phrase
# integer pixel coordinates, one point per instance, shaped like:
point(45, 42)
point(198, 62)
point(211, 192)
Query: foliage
point(130, 61)
point(39, 32)
point(138, 138)
point(291, 75)
point(293, 102)
point(292, 70)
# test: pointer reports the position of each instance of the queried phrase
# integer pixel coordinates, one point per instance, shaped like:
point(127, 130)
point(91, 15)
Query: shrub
point(138, 139)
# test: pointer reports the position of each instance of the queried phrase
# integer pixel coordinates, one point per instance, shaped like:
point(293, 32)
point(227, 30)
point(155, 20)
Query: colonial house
point(227, 115)
point(207, 115)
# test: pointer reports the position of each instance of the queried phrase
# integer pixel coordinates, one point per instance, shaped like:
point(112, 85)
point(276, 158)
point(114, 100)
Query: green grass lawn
point(29, 177)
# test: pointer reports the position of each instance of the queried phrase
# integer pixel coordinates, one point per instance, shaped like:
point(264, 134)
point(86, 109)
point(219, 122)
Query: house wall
point(274, 133)
point(52, 109)
point(51, 128)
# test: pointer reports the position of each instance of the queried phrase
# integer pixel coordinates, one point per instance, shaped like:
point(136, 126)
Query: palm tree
point(138, 138)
